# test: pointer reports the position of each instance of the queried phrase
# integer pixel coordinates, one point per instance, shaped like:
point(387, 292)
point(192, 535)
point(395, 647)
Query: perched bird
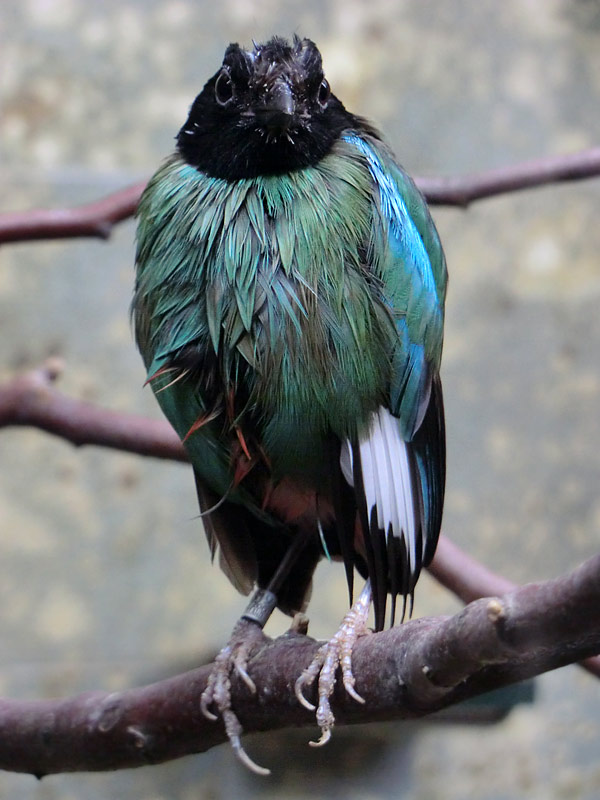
point(289, 308)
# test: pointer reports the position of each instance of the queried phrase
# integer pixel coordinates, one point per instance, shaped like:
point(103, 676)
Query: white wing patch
point(347, 462)
point(387, 479)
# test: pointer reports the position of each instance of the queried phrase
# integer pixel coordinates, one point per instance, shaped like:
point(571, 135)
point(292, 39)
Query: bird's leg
point(246, 634)
point(333, 654)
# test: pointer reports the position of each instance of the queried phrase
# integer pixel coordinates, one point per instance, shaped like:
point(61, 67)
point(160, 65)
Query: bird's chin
point(279, 136)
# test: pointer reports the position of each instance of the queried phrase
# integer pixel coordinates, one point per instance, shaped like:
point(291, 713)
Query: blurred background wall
point(105, 579)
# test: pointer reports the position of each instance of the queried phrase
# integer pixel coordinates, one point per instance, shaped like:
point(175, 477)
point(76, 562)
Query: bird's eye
point(224, 89)
point(323, 93)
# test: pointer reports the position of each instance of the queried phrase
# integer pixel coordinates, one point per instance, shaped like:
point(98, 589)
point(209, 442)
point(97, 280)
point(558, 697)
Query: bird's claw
point(325, 737)
point(307, 678)
point(233, 729)
point(335, 653)
point(232, 658)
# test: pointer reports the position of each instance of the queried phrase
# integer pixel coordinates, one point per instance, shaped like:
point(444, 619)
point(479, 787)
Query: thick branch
point(97, 219)
point(406, 672)
point(469, 580)
point(162, 721)
point(31, 399)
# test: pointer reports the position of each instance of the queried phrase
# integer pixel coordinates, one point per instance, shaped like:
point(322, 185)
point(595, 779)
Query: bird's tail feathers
point(399, 491)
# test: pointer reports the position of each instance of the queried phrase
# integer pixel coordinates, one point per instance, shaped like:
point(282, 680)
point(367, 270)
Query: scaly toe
point(233, 729)
point(354, 694)
point(300, 683)
point(308, 677)
point(241, 665)
point(232, 658)
point(335, 653)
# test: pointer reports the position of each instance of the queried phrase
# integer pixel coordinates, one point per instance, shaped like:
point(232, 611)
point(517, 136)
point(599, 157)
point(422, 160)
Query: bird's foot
point(246, 636)
point(335, 653)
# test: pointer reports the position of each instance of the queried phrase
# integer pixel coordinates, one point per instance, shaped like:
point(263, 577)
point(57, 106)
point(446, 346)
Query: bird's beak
point(278, 111)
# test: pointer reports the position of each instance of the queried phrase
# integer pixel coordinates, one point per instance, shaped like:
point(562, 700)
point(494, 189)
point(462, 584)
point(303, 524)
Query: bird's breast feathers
point(289, 308)
point(310, 287)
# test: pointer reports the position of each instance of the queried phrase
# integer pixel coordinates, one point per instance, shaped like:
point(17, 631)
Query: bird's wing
point(397, 465)
point(180, 308)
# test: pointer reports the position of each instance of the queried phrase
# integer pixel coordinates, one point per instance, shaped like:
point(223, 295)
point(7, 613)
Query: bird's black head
point(266, 111)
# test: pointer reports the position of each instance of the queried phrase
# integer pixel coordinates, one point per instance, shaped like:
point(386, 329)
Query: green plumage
point(288, 284)
point(289, 307)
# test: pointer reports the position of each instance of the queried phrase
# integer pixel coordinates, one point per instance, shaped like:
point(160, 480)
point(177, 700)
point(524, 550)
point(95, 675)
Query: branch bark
point(98, 219)
point(93, 219)
point(470, 580)
point(31, 399)
point(407, 672)
point(465, 189)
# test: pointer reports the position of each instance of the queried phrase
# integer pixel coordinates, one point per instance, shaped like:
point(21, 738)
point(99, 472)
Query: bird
point(289, 309)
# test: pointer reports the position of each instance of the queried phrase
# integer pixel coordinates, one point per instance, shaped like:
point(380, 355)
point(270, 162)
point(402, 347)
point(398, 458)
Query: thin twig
point(463, 190)
point(93, 219)
point(98, 219)
point(31, 399)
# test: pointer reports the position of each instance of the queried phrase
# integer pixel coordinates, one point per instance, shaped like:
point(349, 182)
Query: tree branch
point(409, 671)
point(464, 576)
point(463, 190)
point(94, 219)
point(533, 629)
point(98, 219)
point(470, 580)
point(406, 672)
point(31, 399)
